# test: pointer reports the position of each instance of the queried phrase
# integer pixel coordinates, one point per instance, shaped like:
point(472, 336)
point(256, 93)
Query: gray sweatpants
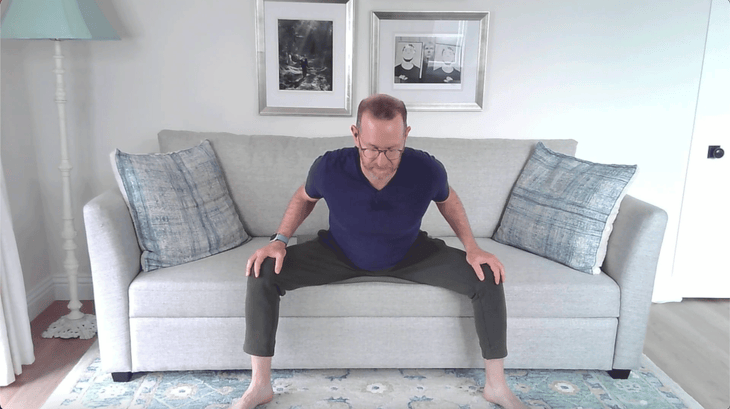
point(428, 261)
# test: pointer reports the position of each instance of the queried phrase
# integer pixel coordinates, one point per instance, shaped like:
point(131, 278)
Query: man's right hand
point(275, 250)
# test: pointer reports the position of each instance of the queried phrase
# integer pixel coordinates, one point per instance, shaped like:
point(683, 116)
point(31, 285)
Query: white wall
point(26, 189)
point(620, 77)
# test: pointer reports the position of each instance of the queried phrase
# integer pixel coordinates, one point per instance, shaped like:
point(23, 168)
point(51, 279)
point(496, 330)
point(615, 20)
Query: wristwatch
point(280, 237)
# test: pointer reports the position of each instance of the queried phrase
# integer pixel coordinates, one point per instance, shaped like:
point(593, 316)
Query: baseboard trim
point(55, 288)
point(85, 287)
point(40, 297)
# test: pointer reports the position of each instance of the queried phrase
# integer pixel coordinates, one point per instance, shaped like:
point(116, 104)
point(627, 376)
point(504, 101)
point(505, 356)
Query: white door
point(702, 263)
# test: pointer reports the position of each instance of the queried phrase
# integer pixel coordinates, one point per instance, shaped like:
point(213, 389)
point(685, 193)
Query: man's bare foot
point(504, 397)
point(254, 396)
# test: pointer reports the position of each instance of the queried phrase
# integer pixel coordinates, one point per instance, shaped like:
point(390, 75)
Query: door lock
point(715, 152)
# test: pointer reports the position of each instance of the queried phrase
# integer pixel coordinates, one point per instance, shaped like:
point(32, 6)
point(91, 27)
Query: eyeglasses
point(370, 153)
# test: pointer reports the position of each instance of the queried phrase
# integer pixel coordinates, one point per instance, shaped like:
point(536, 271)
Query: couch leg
point(121, 376)
point(619, 373)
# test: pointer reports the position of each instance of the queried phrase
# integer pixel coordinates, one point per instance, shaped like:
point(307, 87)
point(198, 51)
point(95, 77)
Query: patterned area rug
point(87, 387)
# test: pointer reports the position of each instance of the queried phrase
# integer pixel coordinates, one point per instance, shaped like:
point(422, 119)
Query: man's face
point(448, 55)
point(428, 50)
point(380, 134)
point(408, 52)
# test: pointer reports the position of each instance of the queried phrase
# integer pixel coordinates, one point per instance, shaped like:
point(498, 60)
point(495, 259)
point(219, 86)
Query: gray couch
point(191, 316)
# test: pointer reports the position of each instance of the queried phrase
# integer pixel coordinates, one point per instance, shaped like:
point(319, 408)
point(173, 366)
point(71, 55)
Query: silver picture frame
point(304, 57)
point(435, 41)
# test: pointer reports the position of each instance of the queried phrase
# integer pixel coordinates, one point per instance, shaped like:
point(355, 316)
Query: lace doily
point(84, 328)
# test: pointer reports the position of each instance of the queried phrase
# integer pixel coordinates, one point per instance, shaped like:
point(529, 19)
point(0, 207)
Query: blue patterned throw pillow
point(563, 208)
point(180, 205)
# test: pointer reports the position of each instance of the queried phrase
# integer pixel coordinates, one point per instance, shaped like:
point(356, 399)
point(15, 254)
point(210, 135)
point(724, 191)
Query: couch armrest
point(631, 260)
point(115, 262)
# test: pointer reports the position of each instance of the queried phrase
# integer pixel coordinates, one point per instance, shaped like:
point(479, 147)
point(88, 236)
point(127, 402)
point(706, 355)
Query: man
point(448, 72)
point(305, 64)
point(429, 50)
point(377, 193)
point(407, 70)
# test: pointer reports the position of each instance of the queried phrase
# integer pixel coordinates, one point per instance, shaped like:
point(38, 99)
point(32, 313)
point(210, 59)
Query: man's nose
point(382, 160)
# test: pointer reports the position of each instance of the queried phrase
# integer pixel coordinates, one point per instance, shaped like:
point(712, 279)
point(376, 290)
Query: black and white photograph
point(304, 51)
point(428, 59)
point(305, 55)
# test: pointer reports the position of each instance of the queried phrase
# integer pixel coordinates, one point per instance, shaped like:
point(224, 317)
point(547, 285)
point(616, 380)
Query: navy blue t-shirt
point(375, 228)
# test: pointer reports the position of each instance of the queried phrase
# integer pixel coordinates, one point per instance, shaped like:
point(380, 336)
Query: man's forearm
point(453, 211)
point(297, 211)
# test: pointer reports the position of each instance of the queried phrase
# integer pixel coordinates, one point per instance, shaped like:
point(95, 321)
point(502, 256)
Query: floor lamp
point(59, 20)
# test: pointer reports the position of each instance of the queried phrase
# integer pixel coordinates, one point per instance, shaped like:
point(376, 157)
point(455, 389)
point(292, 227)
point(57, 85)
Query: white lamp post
point(59, 20)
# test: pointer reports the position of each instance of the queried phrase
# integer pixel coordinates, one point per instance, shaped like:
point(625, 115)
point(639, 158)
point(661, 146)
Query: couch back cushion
point(264, 171)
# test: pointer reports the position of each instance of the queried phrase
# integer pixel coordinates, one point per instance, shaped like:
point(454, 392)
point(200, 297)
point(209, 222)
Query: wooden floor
point(690, 341)
point(54, 358)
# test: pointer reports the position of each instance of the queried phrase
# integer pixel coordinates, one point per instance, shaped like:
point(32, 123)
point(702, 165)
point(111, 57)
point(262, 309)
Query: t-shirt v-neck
point(365, 178)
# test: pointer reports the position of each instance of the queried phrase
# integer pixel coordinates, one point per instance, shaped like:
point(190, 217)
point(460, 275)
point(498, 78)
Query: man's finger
point(478, 269)
point(279, 263)
point(257, 267)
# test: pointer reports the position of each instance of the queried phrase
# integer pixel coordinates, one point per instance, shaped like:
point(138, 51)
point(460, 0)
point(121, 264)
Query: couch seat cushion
point(216, 287)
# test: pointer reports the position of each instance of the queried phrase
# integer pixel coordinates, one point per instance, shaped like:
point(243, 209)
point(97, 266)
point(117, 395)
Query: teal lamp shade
point(55, 19)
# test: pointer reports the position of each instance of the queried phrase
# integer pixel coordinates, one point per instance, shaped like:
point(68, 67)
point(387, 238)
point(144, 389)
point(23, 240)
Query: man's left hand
point(476, 257)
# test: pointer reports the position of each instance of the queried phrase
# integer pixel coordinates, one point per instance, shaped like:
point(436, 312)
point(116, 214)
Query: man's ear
point(354, 131)
point(408, 130)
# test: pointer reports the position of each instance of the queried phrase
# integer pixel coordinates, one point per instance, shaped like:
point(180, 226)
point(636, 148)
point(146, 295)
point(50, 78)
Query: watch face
point(273, 236)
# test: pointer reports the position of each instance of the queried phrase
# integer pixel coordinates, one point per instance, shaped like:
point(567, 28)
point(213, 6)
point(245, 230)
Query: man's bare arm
point(453, 211)
point(300, 206)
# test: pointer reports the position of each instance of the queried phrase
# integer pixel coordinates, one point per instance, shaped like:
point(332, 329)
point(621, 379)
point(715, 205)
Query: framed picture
point(433, 61)
point(304, 56)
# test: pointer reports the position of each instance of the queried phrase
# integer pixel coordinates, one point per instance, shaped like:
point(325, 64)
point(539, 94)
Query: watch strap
point(280, 237)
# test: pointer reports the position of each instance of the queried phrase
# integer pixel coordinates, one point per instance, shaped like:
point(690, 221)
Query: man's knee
point(266, 277)
point(487, 287)
point(267, 267)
